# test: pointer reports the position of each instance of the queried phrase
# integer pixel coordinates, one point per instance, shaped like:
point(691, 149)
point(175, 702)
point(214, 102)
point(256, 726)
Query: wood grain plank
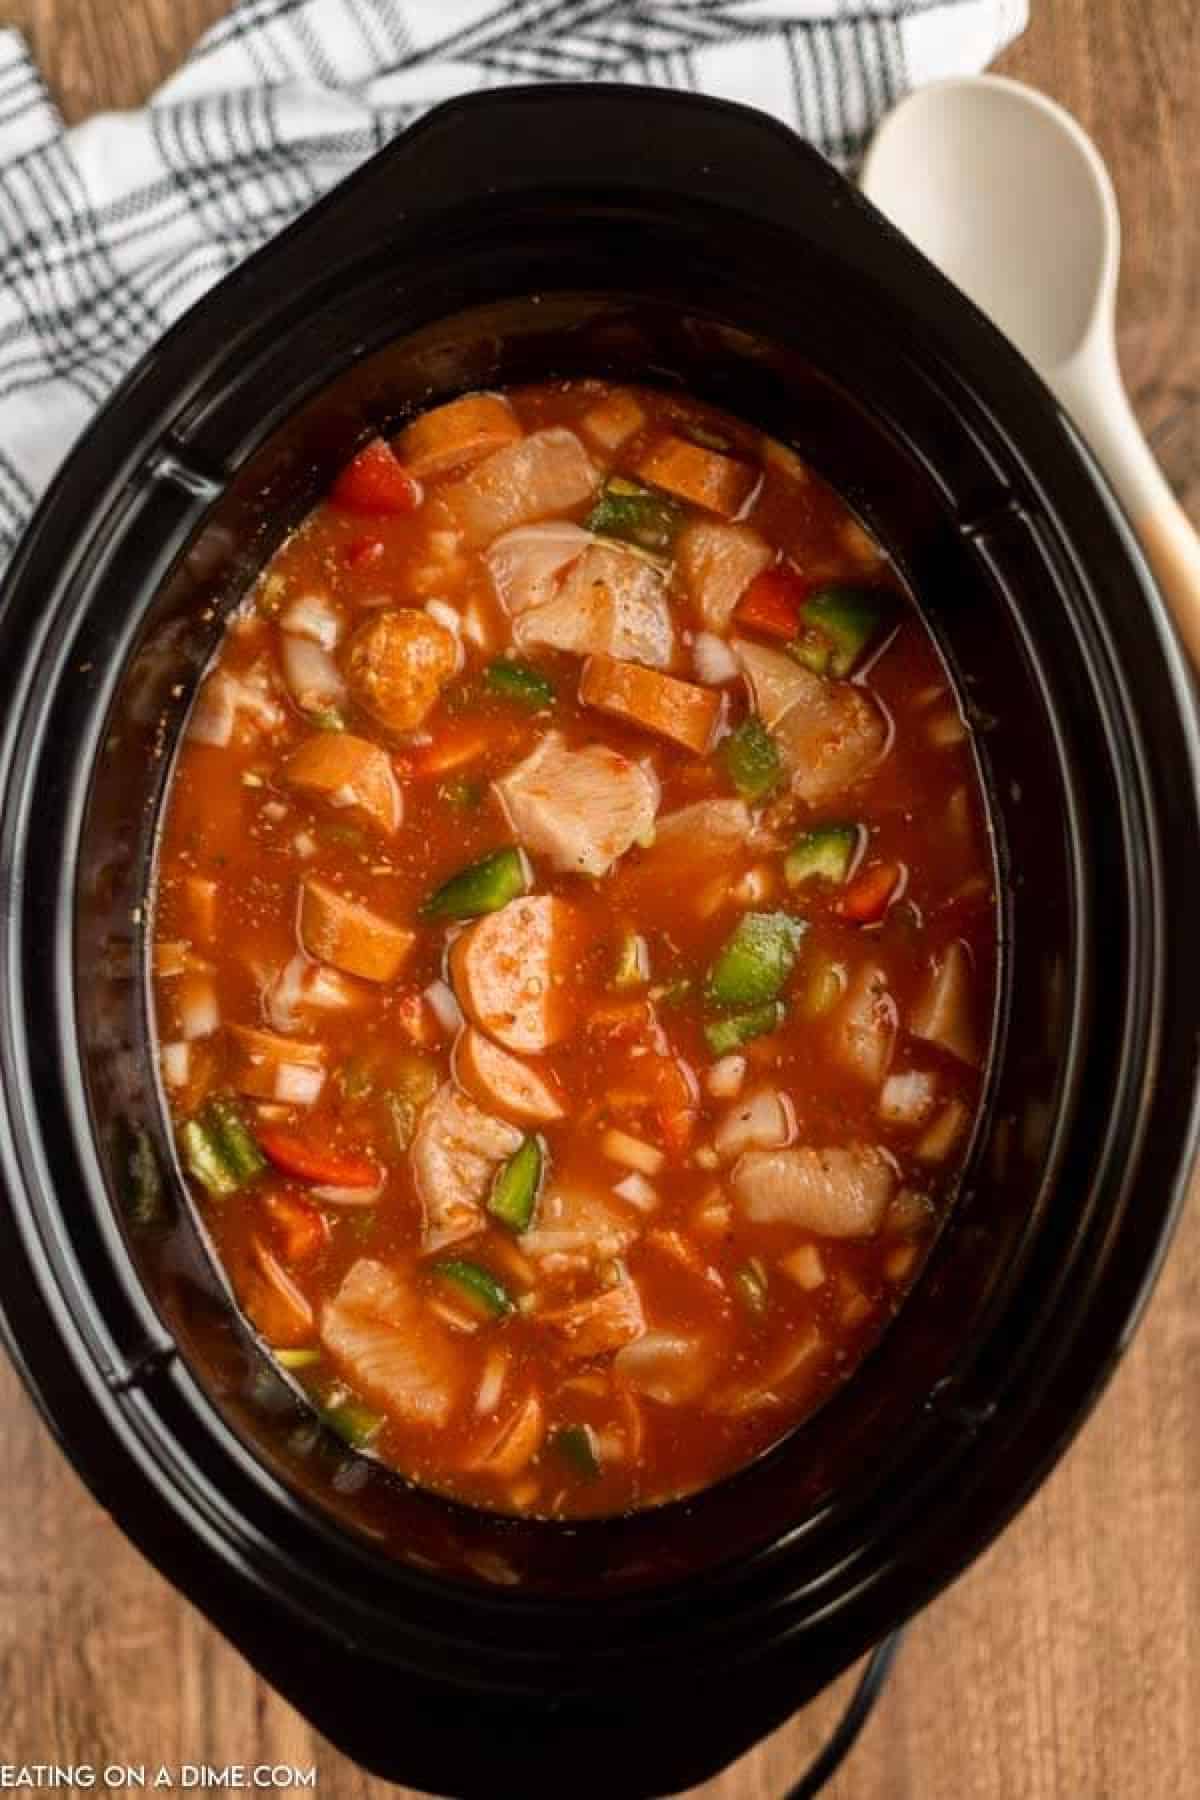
point(1066, 1664)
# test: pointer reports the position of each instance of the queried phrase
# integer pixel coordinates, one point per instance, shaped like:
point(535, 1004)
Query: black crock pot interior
point(658, 238)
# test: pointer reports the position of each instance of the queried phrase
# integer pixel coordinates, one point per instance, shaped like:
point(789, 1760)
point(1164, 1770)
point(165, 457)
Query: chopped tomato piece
point(867, 898)
point(316, 1162)
point(364, 551)
point(376, 481)
point(299, 1227)
point(772, 603)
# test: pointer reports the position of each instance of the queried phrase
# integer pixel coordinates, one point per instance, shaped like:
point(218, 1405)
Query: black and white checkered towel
point(109, 231)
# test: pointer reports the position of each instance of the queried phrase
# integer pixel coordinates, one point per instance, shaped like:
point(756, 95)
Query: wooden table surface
point(1066, 1664)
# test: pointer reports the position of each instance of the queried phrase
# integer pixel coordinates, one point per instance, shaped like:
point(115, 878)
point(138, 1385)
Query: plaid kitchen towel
point(109, 231)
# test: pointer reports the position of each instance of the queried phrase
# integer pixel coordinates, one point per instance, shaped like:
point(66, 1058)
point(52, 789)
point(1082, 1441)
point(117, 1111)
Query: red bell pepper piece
point(313, 1162)
point(869, 895)
point(772, 603)
point(364, 551)
point(376, 481)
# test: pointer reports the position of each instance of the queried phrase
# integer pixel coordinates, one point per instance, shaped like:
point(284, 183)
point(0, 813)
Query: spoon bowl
point(1010, 198)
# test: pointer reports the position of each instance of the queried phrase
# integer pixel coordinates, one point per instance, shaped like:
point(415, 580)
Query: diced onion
point(312, 676)
point(445, 616)
point(638, 1191)
point(633, 1153)
point(176, 1061)
point(907, 1099)
point(300, 984)
point(297, 1085)
point(439, 996)
point(764, 1121)
point(805, 1267)
point(714, 661)
point(311, 616)
point(350, 1196)
point(491, 1384)
point(199, 1013)
point(214, 713)
point(724, 1079)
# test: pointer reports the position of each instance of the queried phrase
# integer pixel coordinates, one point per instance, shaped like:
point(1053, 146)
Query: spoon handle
point(1093, 393)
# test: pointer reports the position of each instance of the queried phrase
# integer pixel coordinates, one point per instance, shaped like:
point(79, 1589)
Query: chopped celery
point(837, 624)
point(751, 1284)
point(735, 1029)
point(636, 514)
point(519, 681)
point(824, 853)
point(476, 1285)
point(298, 1359)
point(355, 1424)
point(483, 887)
point(203, 1159)
point(234, 1142)
point(751, 758)
point(755, 960)
point(515, 1189)
point(327, 719)
point(577, 1446)
point(413, 1079)
point(633, 961)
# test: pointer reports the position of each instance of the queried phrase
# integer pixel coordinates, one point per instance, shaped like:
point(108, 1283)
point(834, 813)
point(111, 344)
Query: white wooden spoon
point(1004, 192)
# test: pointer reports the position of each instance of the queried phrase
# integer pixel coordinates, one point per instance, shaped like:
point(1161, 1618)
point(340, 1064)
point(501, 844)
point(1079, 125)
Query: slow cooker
point(655, 236)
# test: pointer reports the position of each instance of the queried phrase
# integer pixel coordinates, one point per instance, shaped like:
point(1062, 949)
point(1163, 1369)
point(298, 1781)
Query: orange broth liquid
point(765, 1347)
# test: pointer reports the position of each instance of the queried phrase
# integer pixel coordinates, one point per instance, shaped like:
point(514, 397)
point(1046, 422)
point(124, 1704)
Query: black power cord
point(858, 1710)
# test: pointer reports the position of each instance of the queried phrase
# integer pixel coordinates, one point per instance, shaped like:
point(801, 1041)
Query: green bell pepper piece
point(751, 759)
point(519, 681)
point(483, 887)
point(476, 1284)
point(837, 624)
point(515, 1189)
point(736, 1029)
point(354, 1423)
point(636, 515)
point(237, 1147)
point(755, 961)
point(822, 854)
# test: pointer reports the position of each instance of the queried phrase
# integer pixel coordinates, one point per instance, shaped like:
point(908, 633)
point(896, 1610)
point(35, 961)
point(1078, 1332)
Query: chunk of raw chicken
point(840, 1192)
point(496, 1079)
point(581, 809)
point(349, 773)
point(865, 1032)
point(508, 971)
point(611, 602)
point(944, 1014)
point(830, 733)
point(389, 1348)
point(397, 664)
point(337, 930)
point(578, 1225)
point(547, 472)
point(455, 1153)
point(718, 563)
point(526, 564)
point(603, 1323)
point(667, 1366)
point(459, 433)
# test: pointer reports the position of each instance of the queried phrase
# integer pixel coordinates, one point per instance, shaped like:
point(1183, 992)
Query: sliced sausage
point(508, 971)
point(350, 774)
point(459, 433)
point(720, 484)
point(677, 710)
point(503, 1082)
point(349, 935)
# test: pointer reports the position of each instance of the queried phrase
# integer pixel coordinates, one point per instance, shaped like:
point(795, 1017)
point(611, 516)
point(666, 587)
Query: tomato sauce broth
point(730, 1195)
